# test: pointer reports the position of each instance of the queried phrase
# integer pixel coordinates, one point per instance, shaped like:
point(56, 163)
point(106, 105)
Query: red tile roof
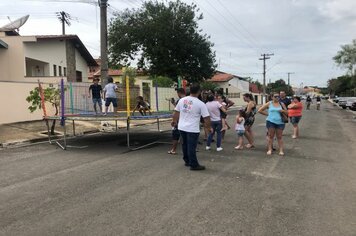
point(254, 88)
point(221, 77)
point(111, 72)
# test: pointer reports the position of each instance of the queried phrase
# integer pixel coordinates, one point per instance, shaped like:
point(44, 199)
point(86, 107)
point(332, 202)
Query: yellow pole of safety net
point(126, 78)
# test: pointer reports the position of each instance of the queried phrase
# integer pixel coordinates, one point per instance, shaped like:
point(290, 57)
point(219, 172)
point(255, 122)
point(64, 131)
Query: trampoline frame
point(63, 145)
point(63, 117)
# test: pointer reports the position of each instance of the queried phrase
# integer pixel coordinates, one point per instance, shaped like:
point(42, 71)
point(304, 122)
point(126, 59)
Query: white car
point(349, 101)
point(342, 102)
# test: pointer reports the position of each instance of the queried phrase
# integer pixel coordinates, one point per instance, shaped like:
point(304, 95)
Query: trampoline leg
point(158, 125)
point(64, 146)
point(128, 132)
point(48, 133)
point(65, 137)
point(73, 128)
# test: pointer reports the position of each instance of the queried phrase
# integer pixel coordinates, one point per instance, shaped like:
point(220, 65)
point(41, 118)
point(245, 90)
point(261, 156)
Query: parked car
point(349, 101)
point(353, 106)
point(336, 99)
point(342, 102)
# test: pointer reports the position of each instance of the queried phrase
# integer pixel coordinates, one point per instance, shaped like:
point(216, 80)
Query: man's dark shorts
point(111, 100)
point(175, 134)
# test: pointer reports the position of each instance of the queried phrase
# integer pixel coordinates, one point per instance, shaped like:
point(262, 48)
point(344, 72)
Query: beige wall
point(81, 65)
point(13, 96)
point(12, 60)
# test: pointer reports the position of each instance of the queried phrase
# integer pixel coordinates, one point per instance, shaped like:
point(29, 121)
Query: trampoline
point(70, 111)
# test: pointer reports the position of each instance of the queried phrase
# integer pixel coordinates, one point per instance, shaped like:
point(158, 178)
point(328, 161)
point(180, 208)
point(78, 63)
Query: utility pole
point(65, 19)
point(289, 73)
point(103, 41)
point(265, 57)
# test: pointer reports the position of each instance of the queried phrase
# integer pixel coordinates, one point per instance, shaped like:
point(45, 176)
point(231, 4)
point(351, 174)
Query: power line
point(235, 19)
point(248, 43)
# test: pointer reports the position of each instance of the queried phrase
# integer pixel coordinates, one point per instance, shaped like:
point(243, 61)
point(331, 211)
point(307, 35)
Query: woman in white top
point(214, 108)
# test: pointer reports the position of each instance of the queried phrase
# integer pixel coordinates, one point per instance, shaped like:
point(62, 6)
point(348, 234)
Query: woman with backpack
point(250, 112)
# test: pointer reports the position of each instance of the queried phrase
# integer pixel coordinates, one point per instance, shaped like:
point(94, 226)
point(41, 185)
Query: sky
point(303, 35)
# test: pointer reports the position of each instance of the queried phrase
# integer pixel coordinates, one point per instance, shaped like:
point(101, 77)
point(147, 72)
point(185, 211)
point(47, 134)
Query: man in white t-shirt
point(188, 111)
point(110, 95)
point(214, 108)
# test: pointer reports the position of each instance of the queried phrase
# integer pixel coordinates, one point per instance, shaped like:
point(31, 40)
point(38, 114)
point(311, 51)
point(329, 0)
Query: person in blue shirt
point(275, 125)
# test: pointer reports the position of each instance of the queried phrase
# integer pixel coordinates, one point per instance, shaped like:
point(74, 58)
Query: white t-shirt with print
point(214, 110)
point(190, 110)
point(110, 90)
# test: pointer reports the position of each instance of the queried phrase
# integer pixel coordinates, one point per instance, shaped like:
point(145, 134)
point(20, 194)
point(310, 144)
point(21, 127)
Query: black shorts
point(249, 121)
point(223, 115)
point(175, 134)
point(111, 100)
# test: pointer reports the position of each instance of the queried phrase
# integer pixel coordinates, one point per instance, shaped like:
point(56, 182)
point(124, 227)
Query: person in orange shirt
point(295, 114)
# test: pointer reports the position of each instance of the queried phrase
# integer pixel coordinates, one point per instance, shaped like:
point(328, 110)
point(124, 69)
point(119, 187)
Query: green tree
point(51, 95)
point(208, 85)
point(165, 38)
point(162, 81)
point(131, 74)
point(342, 86)
point(279, 85)
point(346, 57)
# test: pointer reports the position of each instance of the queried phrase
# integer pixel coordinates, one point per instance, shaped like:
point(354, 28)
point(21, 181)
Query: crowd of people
point(209, 110)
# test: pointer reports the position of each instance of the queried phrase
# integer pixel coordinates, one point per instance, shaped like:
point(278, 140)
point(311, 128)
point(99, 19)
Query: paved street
point(104, 190)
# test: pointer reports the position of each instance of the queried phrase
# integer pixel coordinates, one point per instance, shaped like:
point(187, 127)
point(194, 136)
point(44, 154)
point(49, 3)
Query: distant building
point(233, 86)
point(312, 91)
point(44, 57)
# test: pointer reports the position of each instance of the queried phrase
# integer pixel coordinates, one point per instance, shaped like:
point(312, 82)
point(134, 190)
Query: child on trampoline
point(142, 106)
point(110, 95)
point(96, 93)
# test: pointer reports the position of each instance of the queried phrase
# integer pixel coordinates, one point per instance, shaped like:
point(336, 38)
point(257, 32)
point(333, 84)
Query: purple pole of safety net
point(62, 103)
point(157, 96)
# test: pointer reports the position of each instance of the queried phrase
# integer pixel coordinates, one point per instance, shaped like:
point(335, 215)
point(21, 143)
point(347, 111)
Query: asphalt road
point(102, 189)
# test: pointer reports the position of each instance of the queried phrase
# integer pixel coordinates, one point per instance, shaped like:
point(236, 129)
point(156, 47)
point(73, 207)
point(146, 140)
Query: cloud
point(304, 35)
point(338, 10)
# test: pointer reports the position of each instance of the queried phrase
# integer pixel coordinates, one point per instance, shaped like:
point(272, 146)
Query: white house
point(44, 57)
point(234, 86)
point(26, 59)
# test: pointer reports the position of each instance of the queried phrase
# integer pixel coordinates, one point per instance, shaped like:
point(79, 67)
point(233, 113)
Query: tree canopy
point(346, 57)
point(279, 85)
point(165, 39)
point(345, 85)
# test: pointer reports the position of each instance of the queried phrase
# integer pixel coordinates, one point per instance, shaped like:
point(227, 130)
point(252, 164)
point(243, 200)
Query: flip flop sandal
point(172, 153)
